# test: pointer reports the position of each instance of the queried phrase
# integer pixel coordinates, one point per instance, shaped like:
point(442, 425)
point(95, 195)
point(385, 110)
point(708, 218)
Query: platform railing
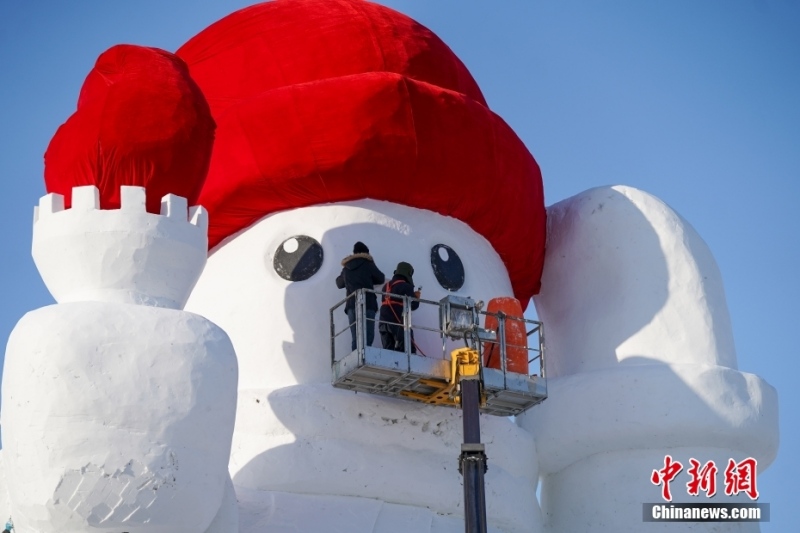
point(430, 337)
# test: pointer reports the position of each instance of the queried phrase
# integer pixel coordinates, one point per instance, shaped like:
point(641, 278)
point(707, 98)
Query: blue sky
point(695, 101)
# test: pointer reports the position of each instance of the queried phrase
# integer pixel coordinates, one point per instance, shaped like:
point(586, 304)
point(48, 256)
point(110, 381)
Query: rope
point(387, 299)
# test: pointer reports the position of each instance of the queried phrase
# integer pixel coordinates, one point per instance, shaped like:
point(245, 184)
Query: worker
point(391, 317)
point(359, 271)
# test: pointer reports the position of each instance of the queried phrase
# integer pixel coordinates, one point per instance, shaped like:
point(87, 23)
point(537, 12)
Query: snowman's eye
point(447, 267)
point(298, 258)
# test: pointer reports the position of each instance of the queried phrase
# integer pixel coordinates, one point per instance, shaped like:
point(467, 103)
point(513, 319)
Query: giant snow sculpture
point(338, 121)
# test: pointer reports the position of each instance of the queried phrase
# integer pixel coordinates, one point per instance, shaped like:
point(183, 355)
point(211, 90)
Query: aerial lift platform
point(433, 378)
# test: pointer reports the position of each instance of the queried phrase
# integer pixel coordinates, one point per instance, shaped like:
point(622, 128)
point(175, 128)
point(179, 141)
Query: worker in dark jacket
point(360, 272)
point(391, 327)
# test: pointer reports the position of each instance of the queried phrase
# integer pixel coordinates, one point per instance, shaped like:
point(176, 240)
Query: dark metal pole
point(472, 462)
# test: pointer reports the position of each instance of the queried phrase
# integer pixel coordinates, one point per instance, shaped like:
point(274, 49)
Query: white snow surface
point(125, 255)
point(267, 511)
point(106, 426)
point(627, 280)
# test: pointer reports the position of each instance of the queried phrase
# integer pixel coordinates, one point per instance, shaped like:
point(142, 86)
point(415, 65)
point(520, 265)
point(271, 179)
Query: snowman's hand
point(623, 274)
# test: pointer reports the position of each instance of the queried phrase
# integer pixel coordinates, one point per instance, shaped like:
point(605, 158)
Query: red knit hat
point(320, 101)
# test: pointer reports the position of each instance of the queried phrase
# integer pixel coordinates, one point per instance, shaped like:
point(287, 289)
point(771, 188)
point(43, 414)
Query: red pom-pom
point(141, 120)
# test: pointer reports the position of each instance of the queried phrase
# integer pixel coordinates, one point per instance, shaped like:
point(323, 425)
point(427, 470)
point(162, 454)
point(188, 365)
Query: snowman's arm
point(640, 361)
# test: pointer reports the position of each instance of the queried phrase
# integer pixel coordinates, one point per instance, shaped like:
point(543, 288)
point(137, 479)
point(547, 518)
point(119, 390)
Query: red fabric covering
point(322, 101)
point(289, 42)
point(141, 120)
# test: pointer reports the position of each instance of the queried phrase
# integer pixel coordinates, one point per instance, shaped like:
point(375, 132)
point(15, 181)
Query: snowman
point(345, 121)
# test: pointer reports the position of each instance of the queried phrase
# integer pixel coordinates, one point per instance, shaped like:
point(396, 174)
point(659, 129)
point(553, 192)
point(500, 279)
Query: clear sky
point(695, 101)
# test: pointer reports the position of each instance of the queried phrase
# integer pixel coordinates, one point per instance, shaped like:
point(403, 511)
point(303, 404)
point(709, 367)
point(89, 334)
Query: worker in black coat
point(360, 272)
point(391, 318)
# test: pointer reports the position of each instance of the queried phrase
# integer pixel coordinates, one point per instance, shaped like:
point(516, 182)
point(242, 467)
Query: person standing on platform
point(360, 272)
point(391, 317)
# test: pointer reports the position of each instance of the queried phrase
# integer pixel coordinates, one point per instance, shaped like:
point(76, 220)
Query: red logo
point(704, 478)
point(665, 475)
point(739, 477)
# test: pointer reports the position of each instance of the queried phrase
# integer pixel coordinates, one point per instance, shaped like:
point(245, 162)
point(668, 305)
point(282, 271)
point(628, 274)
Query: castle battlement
point(124, 255)
point(132, 199)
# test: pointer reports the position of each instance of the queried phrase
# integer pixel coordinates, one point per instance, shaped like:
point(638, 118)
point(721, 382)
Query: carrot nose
point(515, 335)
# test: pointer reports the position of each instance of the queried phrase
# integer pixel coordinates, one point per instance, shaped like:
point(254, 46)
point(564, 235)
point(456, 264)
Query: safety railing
point(510, 346)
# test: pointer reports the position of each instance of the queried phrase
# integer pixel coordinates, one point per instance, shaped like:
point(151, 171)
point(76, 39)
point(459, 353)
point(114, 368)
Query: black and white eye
point(447, 267)
point(298, 258)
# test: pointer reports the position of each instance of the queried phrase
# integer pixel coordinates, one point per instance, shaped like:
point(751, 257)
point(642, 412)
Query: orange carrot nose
point(516, 337)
